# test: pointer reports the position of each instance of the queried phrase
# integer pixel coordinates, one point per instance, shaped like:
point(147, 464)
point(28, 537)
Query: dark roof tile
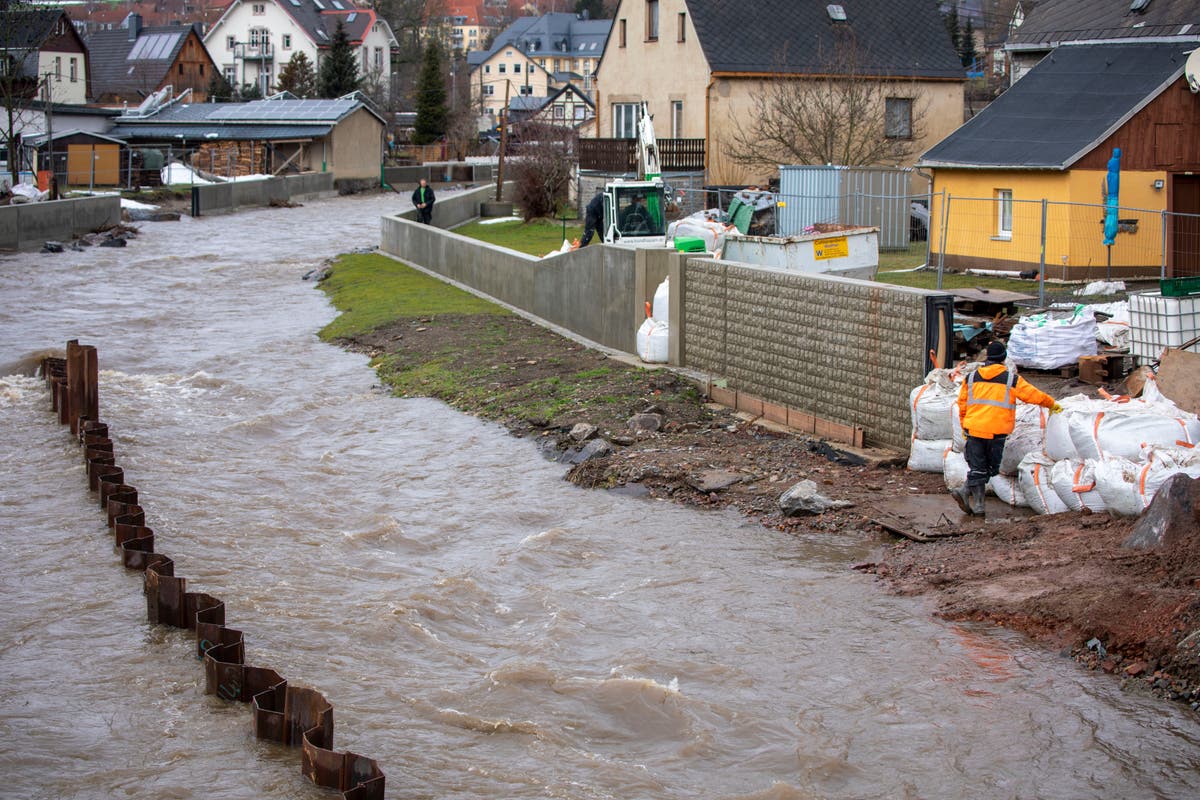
point(1055, 21)
point(1070, 102)
point(893, 37)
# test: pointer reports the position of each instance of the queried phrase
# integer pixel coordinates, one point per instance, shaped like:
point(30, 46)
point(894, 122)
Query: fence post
point(945, 224)
point(1042, 267)
point(1162, 273)
point(929, 233)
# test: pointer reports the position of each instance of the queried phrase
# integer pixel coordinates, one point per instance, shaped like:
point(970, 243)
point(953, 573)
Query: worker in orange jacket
point(987, 410)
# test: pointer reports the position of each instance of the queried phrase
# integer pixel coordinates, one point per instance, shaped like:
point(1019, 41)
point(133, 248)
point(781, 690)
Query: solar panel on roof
point(152, 47)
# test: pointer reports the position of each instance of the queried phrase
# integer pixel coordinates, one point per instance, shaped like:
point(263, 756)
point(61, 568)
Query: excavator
point(634, 209)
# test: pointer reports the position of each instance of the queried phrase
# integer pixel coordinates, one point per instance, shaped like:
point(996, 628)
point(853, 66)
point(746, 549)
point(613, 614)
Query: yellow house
point(536, 56)
point(698, 66)
point(1037, 159)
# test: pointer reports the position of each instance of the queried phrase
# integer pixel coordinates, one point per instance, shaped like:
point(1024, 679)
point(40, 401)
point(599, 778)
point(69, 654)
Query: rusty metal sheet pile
point(290, 715)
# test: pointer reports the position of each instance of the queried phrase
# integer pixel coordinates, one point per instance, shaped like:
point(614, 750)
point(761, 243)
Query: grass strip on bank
point(536, 237)
point(429, 339)
point(372, 290)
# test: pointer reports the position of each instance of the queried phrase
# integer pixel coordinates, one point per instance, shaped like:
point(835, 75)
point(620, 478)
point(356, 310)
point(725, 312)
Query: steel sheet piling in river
point(290, 715)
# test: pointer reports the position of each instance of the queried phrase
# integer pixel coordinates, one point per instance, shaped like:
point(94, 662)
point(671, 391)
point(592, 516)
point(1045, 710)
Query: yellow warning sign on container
point(836, 247)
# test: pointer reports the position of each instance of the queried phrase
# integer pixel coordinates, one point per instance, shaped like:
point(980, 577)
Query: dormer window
point(258, 9)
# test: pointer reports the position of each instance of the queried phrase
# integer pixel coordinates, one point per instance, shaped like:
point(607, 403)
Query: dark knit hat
point(996, 352)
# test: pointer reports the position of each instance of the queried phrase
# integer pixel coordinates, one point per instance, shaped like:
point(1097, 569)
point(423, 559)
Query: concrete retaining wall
point(446, 172)
point(222, 198)
point(27, 226)
point(589, 291)
point(849, 351)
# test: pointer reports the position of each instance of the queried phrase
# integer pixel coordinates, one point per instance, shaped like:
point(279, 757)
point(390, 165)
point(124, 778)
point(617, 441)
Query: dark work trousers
point(983, 459)
point(425, 215)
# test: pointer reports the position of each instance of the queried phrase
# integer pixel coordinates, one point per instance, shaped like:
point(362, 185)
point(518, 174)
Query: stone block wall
point(849, 351)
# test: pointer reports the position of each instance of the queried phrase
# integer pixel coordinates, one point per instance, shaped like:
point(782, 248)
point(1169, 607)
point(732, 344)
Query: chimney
point(134, 23)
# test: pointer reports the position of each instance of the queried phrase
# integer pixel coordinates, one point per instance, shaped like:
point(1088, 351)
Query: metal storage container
point(878, 197)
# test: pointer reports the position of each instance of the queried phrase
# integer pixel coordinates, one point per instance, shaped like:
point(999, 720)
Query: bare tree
point(19, 79)
point(840, 114)
point(542, 167)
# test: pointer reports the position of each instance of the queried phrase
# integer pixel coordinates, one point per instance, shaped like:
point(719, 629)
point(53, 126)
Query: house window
point(1004, 209)
point(676, 119)
point(502, 68)
point(625, 117)
point(230, 42)
point(682, 27)
point(259, 9)
point(366, 59)
point(652, 20)
point(560, 111)
point(230, 71)
point(487, 69)
point(621, 33)
point(517, 68)
point(259, 37)
point(898, 118)
point(542, 63)
point(58, 68)
point(489, 89)
point(379, 59)
point(74, 70)
point(580, 111)
point(286, 39)
point(526, 89)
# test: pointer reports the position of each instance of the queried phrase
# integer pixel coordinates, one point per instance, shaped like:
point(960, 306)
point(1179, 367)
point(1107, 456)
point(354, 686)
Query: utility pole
point(503, 143)
point(52, 184)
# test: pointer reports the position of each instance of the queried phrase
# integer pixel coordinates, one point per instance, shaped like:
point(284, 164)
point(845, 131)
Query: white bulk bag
point(1008, 489)
point(1028, 436)
point(1049, 341)
point(662, 301)
point(926, 454)
point(1034, 476)
point(954, 469)
point(1121, 433)
point(653, 341)
point(1075, 484)
point(931, 405)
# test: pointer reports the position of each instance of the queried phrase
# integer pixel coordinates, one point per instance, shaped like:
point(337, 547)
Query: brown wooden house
point(131, 63)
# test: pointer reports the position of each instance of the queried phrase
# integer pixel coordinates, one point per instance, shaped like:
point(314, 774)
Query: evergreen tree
point(219, 89)
point(966, 49)
point(298, 77)
point(594, 8)
point(251, 91)
point(432, 113)
point(953, 28)
point(339, 71)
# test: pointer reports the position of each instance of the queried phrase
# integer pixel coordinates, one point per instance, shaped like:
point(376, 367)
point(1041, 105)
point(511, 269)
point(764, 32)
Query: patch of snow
point(127, 203)
point(494, 220)
point(180, 173)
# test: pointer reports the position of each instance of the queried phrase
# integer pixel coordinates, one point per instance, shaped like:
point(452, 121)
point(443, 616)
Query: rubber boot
point(960, 497)
point(978, 494)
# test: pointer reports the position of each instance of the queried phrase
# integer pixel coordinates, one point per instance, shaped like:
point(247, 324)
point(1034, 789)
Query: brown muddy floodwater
point(482, 628)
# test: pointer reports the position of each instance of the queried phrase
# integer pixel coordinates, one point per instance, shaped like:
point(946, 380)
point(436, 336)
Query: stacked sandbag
point(1111, 454)
point(932, 404)
point(654, 336)
point(701, 225)
point(1051, 340)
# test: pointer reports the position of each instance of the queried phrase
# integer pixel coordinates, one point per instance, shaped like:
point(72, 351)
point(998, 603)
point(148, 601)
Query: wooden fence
point(620, 155)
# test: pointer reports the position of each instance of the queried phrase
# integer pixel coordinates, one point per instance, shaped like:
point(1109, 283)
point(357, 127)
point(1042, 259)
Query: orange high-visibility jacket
point(987, 400)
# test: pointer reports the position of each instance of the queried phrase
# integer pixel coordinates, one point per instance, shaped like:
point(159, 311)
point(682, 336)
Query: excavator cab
point(634, 210)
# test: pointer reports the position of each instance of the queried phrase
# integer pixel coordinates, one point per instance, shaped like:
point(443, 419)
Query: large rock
point(583, 431)
point(593, 449)
point(803, 498)
point(1172, 516)
point(645, 422)
point(713, 480)
point(151, 215)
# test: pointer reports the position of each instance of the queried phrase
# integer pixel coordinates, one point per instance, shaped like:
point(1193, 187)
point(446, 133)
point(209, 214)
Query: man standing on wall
point(987, 410)
point(423, 199)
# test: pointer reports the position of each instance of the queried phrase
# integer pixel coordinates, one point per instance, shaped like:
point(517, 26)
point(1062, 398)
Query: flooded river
point(482, 628)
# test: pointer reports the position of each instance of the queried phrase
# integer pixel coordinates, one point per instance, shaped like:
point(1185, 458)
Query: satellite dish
point(1191, 71)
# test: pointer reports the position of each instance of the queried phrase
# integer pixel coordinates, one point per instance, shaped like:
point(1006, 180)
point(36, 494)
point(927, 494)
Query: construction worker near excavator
point(987, 410)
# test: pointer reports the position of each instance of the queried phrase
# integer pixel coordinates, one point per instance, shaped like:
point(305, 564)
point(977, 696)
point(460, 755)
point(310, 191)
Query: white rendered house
point(254, 39)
